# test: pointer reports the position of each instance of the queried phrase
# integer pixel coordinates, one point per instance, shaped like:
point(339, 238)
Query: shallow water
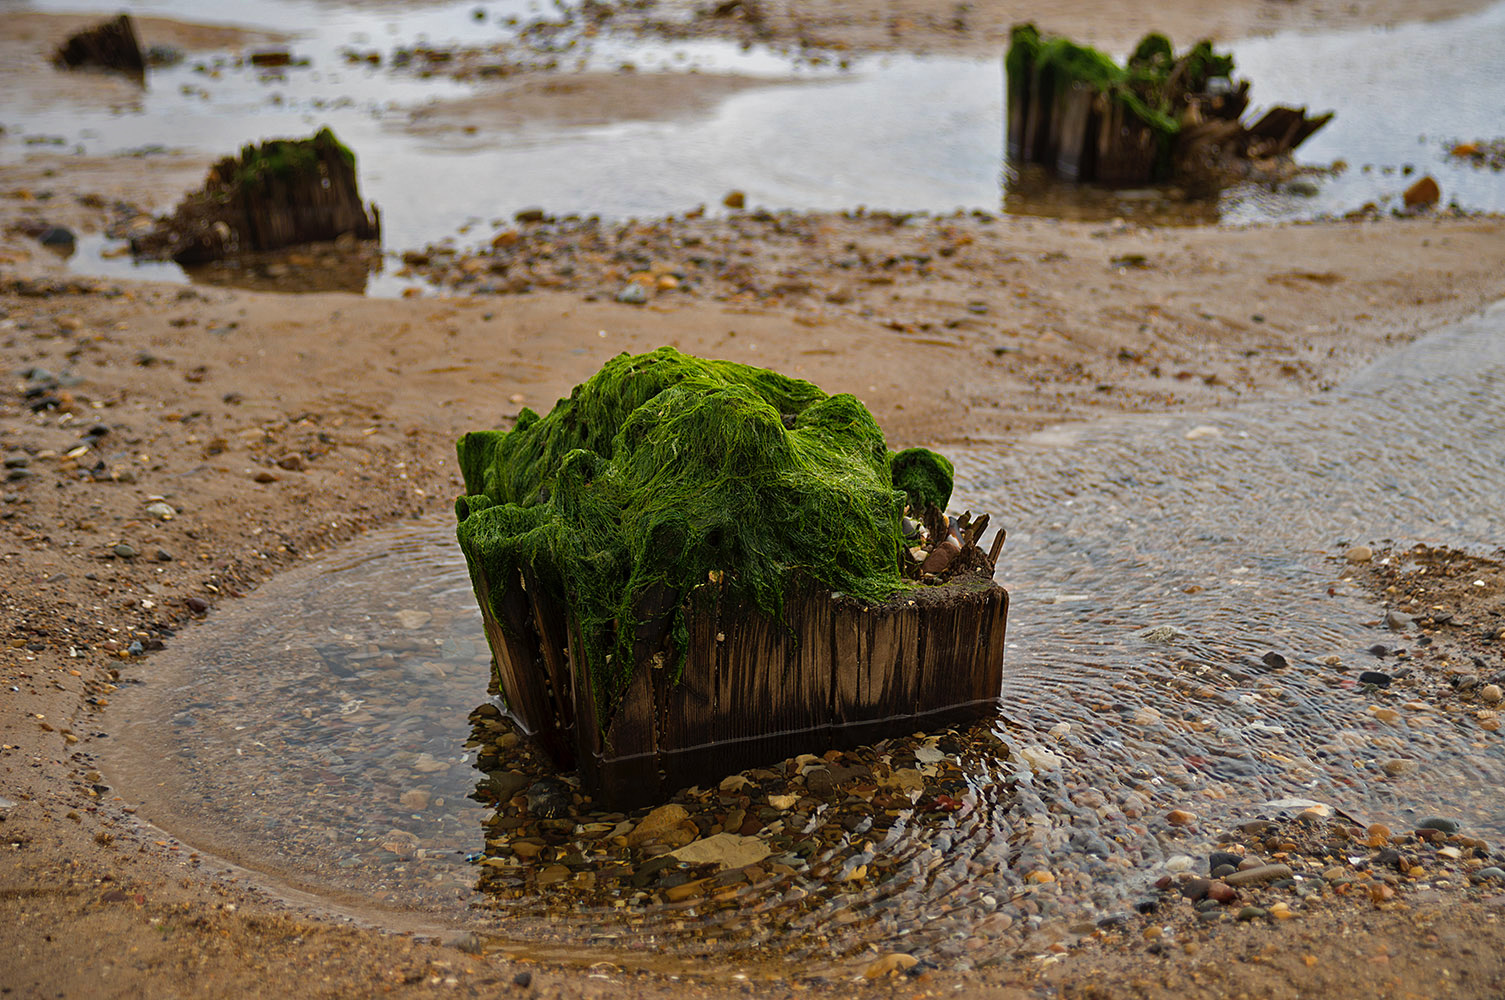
point(285, 732)
point(897, 132)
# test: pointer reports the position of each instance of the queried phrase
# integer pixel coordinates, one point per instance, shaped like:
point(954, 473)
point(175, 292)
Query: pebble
point(1441, 823)
point(125, 551)
point(1359, 554)
point(1255, 876)
point(161, 510)
point(890, 964)
point(633, 294)
point(549, 798)
point(523, 979)
point(1253, 913)
point(466, 941)
point(1040, 759)
point(1218, 859)
point(1180, 817)
point(1375, 677)
point(1490, 693)
point(1222, 892)
point(1399, 621)
point(197, 605)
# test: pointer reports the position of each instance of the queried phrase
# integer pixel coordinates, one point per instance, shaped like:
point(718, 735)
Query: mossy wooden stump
point(281, 193)
point(691, 567)
point(111, 45)
point(1158, 117)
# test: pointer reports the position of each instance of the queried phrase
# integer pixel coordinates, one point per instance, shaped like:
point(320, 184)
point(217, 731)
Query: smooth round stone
point(1442, 823)
point(1218, 859)
point(1253, 913)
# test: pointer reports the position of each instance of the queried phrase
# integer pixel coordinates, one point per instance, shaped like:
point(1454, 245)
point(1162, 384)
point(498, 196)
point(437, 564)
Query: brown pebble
point(1180, 817)
point(1256, 876)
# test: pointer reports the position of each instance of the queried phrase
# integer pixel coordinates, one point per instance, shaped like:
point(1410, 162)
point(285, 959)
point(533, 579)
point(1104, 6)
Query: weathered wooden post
point(1157, 117)
point(280, 193)
point(692, 567)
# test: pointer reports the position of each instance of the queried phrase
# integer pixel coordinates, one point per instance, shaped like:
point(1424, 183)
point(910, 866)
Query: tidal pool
point(332, 731)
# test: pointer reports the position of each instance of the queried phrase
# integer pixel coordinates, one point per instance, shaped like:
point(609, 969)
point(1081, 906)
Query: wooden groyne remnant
point(280, 193)
point(1158, 117)
point(693, 567)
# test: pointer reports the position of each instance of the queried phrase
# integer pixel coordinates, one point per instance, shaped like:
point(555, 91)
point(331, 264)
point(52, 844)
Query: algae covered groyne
point(692, 566)
point(279, 193)
point(1157, 117)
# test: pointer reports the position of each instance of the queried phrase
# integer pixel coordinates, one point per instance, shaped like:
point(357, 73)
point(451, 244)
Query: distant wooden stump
point(111, 45)
point(839, 672)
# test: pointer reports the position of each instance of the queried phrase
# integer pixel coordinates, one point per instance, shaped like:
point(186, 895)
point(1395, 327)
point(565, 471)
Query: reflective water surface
point(893, 132)
point(318, 732)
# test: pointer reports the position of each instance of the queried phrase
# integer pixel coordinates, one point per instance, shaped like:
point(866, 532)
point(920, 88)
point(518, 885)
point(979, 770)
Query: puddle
point(317, 732)
point(895, 132)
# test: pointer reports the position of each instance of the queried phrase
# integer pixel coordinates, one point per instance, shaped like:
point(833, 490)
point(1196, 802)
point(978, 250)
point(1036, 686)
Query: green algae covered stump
point(690, 567)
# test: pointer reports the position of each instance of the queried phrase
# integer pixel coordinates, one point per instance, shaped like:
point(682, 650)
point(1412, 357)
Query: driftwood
point(278, 194)
point(111, 46)
point(752, 691)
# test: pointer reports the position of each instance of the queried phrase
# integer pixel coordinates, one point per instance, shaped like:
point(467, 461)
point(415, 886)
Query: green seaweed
point(281, 158)
point(663, 471)
point(1148, 85)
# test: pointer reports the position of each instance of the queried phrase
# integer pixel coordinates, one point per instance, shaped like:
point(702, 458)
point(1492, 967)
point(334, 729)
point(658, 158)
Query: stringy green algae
point(663, 468)
point(1144, 85)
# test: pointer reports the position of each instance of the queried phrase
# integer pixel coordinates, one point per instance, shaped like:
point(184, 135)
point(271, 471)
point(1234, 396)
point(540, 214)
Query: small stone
point(890, 965)
point(1256, 876)
point(125, 551)
point(466, 941)
point(161, 510)
point(1281, 911)
point(1490, 693)
point(1196, 889)
point(1039, 759)
point(1490, 874)
point(1399, 621)
point(1252, 913)
point(553, 875)
point(662, 821)
point(1441, 823)
point(1424, 192)
point(1375, 677)
point(1222, 892)
point(1180, 817)
point(633, 294)
point(197, 605)
point(1217, 859)
point(265, 476)
point(735, 200)
point(292, 462)
point(413, 619)
point(724, 850)
point(1359, 554)
point(162, 555)
point(1377, 835)
point(523, 979)
point(549, 798)
point(783, 802)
